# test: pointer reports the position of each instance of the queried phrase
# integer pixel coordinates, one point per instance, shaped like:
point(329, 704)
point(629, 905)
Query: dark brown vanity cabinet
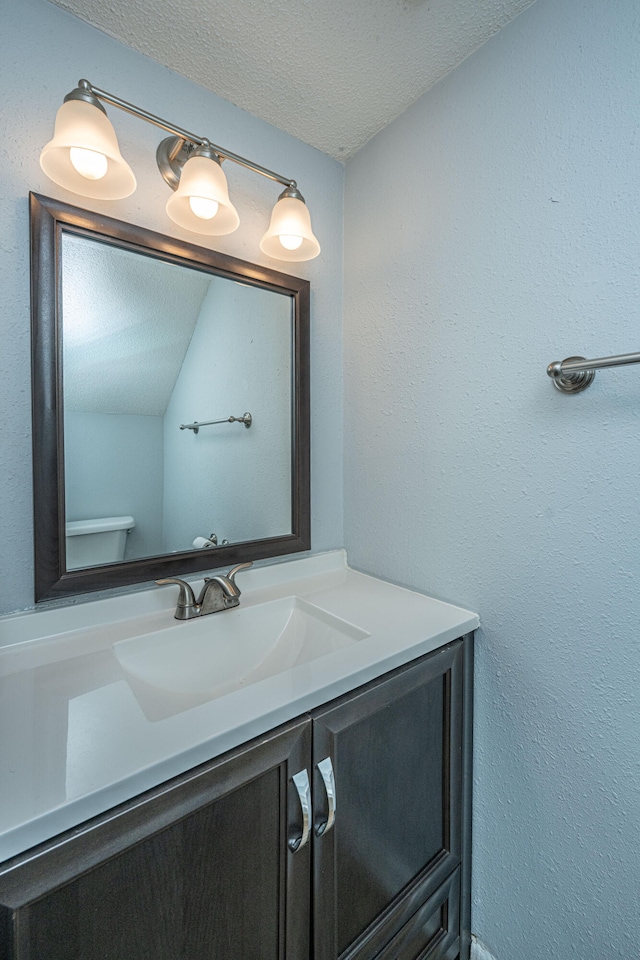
point(222, 864)
point(399, 750)
point(198, 869)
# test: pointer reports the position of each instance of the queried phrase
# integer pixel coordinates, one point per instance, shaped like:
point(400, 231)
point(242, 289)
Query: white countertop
point(74, 736)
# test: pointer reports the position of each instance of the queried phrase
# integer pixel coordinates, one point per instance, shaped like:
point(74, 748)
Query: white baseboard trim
point(479, 951)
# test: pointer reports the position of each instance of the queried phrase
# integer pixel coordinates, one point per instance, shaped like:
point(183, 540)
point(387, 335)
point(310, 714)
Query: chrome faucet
point(218, 593)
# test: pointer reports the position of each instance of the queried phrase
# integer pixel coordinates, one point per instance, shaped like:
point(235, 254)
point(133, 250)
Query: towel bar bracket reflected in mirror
point(247, 419)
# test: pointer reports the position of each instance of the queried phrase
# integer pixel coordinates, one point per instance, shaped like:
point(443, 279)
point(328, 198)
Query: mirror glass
point(177, 436)
point(149, 349)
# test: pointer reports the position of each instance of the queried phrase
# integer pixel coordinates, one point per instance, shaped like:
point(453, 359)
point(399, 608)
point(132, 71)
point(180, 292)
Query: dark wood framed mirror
point(170, 389)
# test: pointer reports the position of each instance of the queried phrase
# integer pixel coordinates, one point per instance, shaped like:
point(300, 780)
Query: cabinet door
point(199, 869)
point(396, 752)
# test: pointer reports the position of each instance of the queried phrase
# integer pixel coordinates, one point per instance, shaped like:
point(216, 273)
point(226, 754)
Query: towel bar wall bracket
point(570, 382)
point(576, 373)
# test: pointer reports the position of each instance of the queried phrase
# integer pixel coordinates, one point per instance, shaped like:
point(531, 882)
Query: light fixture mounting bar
point(222, 152)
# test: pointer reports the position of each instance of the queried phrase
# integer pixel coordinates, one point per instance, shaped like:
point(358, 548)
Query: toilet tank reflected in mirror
point(92, 542)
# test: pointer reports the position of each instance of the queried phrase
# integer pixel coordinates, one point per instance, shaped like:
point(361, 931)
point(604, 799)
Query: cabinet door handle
point(302, 785)
point(326, 772)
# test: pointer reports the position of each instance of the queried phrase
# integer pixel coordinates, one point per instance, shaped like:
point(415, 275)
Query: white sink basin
point(214, 655)
point(111, 697)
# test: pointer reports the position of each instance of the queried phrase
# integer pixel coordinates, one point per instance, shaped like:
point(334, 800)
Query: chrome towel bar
point(247, 419)
point(576, 373)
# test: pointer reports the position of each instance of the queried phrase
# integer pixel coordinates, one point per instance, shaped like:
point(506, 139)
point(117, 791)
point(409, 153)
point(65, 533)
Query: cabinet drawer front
point(432, 932)
point(396, 748)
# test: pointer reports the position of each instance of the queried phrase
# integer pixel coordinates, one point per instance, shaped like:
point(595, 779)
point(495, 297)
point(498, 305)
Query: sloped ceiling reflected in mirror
point(123, 315)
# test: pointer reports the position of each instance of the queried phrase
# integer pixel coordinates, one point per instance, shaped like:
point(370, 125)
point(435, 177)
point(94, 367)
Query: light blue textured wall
point(43, 53)
point(230, 480)
point(492, 228)
point(114, 468)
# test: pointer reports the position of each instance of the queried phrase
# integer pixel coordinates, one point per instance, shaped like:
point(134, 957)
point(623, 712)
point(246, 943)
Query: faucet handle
point(232, 573)
point(186, 607)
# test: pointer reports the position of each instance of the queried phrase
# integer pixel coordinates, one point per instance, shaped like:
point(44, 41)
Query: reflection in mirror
point(170, 398)
point(149, 347)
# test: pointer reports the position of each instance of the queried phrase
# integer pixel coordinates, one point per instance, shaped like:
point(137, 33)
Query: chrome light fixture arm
point(86, 91)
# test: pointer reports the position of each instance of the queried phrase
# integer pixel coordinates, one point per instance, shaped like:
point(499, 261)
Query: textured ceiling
point(331, 72)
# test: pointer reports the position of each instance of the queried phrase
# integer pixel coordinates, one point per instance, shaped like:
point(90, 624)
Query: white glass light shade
point(291, 221)
point(203, 178)
point(81, 126)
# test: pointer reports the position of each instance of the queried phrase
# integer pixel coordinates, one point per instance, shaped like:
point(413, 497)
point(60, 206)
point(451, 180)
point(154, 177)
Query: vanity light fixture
point(84, 157)
point(290, 236)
